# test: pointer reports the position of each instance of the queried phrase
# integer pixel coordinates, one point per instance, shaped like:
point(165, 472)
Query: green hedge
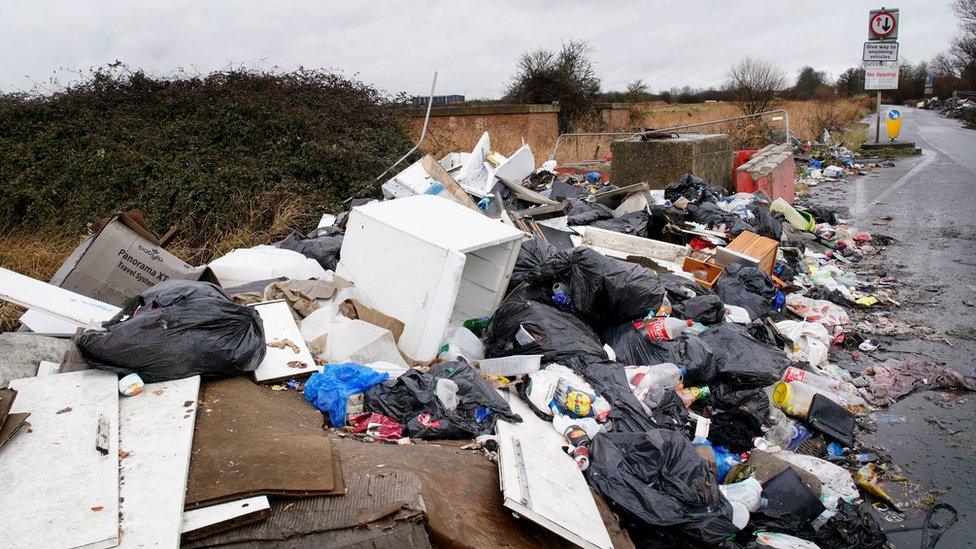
point(194, 150)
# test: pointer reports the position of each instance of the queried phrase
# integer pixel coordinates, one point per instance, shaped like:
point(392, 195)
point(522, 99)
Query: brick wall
point(457, 129)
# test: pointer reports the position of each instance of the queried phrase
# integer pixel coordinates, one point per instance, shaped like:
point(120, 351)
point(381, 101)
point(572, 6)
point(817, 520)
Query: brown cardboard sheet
point(251, 440)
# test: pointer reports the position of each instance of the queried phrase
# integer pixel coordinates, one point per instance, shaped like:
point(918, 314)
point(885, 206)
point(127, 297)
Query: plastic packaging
point(691, 394)
point(261, 263)
point(788, 433)
point(777, 540)
point(329, 390)
point(446, 391)
point(515, 365)
point(794, 398)
point(748, 492)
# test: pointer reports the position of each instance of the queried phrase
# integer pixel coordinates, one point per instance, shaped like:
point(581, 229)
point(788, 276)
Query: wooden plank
point(634, 245)
point(58, 491)
point(526, 194)
point(155, 438)
point(440, 175)
point(280, 326)
point(58, 302)
point(206, 521)
point(538, 479)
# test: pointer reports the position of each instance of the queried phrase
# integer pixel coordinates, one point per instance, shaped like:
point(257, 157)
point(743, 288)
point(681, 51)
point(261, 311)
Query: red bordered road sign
point(883, 25)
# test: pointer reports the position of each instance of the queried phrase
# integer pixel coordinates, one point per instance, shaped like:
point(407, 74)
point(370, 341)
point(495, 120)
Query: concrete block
point(660, 161)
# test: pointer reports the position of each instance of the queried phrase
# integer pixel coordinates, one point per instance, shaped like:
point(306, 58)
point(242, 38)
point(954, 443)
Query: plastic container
point(461, 341)
point(514, 365)
point(794, 398)
point(131, 385)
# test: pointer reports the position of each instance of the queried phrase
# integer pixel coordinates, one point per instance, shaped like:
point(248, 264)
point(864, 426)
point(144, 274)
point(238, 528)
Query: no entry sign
point(883, 24)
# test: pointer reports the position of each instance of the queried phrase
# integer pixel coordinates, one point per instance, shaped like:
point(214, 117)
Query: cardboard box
point(120, 260)
point(762, 249)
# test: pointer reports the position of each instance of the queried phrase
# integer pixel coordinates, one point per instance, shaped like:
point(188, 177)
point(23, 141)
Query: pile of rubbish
point(668, 345)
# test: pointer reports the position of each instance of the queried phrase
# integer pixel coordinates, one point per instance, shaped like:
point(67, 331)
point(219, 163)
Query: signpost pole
point(877, 123)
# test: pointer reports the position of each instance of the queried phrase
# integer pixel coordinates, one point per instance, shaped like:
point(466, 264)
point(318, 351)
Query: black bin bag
point(178, 329)
point(533, 253)
point(791, 506)
point(323, 249)
point(556, 335)
point(602, 290)
point(411, 400)
point(741, 359)
point(661, 483)
point(747, 287)
point(687, 351)
point(707, 309)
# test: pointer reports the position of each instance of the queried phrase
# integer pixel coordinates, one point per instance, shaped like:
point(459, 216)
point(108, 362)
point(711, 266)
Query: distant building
point(439, 100)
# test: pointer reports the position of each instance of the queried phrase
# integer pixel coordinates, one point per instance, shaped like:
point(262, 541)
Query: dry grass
point(40, 255)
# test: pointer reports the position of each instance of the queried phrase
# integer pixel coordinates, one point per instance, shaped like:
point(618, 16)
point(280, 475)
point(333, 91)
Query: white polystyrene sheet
point(56, 489)
point(58, 302)
point(538, 479)
point(245, 265)
point(475, 172)
point(203, 517)
point(518, 166)
point(155, 436)
point(43, 323)
point(280, 325)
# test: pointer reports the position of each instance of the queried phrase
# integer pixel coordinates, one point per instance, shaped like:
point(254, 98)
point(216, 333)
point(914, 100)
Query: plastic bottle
point(661, 376)
point(560, 296)
point(663, 329)
point(793, 373)
point(826, 386)
point(794, 397)
point(477, 325)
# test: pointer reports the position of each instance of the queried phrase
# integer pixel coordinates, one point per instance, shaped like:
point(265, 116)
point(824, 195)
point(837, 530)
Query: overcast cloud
point(396, 45)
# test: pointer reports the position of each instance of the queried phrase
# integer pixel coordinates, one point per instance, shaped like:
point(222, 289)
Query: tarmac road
point(931, 202)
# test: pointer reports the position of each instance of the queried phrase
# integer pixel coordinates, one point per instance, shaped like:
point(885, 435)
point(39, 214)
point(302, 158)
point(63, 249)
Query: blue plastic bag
point(329, 390)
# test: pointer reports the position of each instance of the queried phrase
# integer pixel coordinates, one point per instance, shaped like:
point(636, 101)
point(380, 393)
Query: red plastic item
point(378, 426)
point(698, 244)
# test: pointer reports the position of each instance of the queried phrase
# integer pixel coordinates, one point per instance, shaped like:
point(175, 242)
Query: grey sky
point(396, 45)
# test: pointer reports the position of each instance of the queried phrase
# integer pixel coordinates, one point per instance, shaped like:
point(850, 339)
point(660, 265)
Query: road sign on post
point(883, 24)
point(880, 51)
point(881, 76)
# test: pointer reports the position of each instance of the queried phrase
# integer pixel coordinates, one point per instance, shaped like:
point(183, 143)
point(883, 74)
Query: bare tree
point(754, 83)
point(566, 77)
